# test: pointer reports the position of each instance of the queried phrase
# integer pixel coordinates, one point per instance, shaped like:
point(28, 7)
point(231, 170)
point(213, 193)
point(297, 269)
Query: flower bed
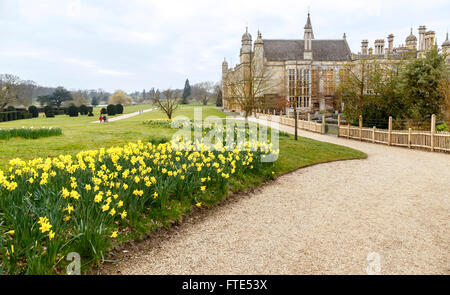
point(51, 207)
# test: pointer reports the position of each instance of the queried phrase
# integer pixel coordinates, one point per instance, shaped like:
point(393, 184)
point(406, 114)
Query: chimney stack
point(364, 45)
point(391, 43)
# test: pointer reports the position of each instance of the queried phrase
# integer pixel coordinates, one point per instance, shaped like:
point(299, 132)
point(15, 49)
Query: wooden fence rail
point(431, 140)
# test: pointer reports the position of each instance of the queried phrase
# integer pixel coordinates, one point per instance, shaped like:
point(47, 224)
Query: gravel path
point(324, 219)
point(126, 116)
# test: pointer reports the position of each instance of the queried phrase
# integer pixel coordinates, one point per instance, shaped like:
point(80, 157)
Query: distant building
point(315, 65)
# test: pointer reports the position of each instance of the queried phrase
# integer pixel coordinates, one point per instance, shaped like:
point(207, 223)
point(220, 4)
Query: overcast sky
point(137, 44)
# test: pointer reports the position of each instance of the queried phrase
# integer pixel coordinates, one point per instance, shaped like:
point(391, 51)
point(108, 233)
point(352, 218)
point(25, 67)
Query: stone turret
point(411, 41)
point(246, 47)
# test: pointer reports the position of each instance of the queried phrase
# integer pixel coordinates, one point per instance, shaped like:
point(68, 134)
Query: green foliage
point(111, 110)
point(442, 127)
point(33, 111)
point(219, 98)
point(59, 96)
point(103, 111)
point(406, 90)
point(72, 110)
point(10, 109)
point(119, 109)
point(420, 86)
point(186, 92)
point(83, 109)
point(95, 101)
point(49, 111)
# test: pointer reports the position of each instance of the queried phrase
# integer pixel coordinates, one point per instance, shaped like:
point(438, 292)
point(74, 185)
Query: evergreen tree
point(95, 101)
point(219, 97)
point(186, 92)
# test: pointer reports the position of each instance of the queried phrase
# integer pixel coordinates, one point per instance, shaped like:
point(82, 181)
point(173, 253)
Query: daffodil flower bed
point(29, 133)
point(51, 207)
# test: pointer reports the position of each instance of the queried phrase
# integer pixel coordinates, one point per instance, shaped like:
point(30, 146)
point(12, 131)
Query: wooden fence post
point(360, 127)
point(323, 124)
point(433, 130)
point(409, 137)
point(339, 125)
point(373, 133)
point(390, 131)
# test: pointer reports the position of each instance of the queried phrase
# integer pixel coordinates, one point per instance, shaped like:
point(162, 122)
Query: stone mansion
point(306, 71)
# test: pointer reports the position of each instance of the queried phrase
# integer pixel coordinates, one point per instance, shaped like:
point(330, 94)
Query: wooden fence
point(302, 124)
point(431, 140)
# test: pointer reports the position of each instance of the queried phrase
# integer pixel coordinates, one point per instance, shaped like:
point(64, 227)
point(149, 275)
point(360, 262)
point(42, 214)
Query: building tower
point(411, 41)
point(364, 47)
point(422, 30)
point(379, 46)
point(246, 48)
point(446, 50)
point(308, 36)
point(390, 43)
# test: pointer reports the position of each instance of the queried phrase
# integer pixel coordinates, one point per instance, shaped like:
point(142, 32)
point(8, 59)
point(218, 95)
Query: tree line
point(409, 90)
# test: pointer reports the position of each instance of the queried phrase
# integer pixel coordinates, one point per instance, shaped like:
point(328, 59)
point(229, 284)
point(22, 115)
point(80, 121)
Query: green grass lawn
point(80, 134)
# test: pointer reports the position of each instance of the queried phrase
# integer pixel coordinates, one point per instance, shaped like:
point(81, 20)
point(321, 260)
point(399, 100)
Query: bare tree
point(8, 90)
point(202, 92)
point(167, 102)
point(248, 87)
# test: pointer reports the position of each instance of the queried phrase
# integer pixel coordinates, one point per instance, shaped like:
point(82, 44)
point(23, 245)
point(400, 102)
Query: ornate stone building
point(306, 71)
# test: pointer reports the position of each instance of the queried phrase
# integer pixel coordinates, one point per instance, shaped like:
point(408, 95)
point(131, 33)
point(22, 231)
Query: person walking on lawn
point(100, 118)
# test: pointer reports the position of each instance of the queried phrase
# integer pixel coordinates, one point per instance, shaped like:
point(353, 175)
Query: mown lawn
point(81, 134)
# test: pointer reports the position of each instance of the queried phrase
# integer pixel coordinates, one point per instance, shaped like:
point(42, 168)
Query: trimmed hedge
point(49, 112)
point(111, 110)
point(84, 110)
point(33, 111)
point(72, 111)
point(119, 108)
point(15, 115)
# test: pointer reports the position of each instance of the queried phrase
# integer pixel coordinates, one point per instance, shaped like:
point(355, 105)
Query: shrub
point(33, 111)
point(72, 110)
point(119, 108)
point(91, 114)
point(10, 109)
point(83, 109)
point(49, 112)
point(442, 127)
point(103, 111)
point(111, 110)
